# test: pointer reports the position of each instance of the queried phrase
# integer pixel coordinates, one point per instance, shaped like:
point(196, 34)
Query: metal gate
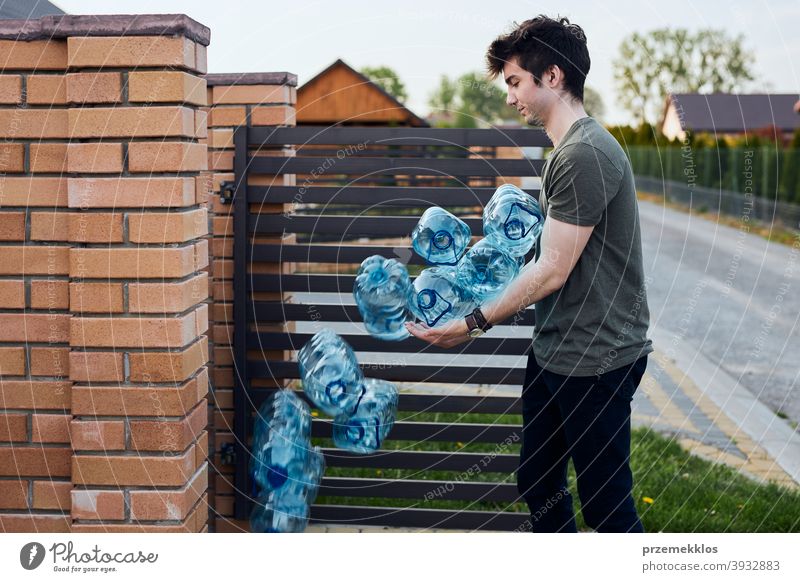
point(355, 192)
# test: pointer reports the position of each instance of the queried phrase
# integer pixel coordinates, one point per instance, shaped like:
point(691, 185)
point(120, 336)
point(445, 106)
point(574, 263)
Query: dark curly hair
point(540, 43)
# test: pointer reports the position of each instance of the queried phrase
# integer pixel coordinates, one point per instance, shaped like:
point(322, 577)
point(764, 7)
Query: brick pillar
point(34, 268)
point(137, 286)
point(258, 99)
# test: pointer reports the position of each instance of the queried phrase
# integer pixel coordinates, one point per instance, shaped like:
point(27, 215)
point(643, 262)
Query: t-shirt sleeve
point(581, 184)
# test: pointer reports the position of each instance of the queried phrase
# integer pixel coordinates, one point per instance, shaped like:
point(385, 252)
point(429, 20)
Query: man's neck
point(561, 119)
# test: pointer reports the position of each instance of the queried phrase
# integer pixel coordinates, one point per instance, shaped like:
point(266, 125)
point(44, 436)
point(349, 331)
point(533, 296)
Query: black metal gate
point(355, 192)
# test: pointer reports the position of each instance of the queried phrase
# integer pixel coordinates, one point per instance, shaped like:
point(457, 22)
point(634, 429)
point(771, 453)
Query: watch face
point(477, 332)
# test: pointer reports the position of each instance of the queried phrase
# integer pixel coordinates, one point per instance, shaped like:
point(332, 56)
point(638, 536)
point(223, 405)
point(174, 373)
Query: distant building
point(340, 95)
point(729, 114)
point(27, 9)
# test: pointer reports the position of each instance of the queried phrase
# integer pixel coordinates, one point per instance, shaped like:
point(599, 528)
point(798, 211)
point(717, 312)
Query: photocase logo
point(31, 555)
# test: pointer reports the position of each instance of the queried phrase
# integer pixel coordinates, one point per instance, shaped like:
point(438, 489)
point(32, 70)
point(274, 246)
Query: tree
point(444, 96)
point(593, 103)
point(652, 65)
point(388, 80)
point(471, 100)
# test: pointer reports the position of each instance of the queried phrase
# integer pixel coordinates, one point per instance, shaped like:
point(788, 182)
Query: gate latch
point(226, 192)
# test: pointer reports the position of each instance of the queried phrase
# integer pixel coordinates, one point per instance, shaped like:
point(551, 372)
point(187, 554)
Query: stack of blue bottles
point(487, 269)
point(331, 377)
point(436, 297)
point(285, 468)
point(381, 293)
point(514, 219)
point(440, 238)
point(365, 429)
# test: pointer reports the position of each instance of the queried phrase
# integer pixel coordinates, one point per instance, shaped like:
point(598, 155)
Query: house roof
point(729, 113)
point(361, 82)
point(27, 10)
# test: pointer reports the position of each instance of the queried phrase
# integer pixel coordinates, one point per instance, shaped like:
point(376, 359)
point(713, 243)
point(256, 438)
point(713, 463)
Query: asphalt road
point(730, 295)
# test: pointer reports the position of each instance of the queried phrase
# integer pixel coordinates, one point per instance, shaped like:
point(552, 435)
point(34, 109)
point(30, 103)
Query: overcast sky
point(423, 40)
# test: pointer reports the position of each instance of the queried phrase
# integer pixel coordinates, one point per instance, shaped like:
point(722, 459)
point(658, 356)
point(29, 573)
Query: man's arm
point(562, 245)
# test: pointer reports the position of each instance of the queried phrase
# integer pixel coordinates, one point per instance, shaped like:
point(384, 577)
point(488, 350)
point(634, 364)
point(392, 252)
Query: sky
point(423, 40)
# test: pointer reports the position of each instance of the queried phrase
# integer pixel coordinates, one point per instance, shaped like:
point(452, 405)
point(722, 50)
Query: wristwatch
point(476, 323)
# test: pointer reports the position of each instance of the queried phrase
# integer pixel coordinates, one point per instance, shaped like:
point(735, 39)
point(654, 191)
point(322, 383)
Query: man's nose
point(511, 100)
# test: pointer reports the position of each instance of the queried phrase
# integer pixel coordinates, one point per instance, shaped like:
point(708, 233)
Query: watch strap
point(480, 319)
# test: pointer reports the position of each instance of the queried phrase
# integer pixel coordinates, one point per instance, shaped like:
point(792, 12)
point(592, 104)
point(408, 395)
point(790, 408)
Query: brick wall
point(103, 274)
point(258, 99)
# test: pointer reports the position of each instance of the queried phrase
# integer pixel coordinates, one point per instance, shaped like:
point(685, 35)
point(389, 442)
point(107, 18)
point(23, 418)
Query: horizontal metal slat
point(444, 374)
point(394, 196)
point(422, 460)
point(397, 136)
point(419, 489)
point(329, 253)
point(420, 518)
point(376, 226)
point(437, 431)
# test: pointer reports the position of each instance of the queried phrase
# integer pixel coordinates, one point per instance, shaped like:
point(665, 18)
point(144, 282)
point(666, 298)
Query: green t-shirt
point(598, 320)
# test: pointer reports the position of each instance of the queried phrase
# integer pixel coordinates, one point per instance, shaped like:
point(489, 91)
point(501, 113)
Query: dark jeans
point(588, 419)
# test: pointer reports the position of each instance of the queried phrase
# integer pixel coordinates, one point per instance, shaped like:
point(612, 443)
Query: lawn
point(674, 491)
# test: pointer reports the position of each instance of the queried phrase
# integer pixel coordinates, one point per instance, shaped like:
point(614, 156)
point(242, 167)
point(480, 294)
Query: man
point(590, 343)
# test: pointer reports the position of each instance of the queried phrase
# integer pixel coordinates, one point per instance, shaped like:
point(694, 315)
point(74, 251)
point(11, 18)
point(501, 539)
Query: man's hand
point(446, 336)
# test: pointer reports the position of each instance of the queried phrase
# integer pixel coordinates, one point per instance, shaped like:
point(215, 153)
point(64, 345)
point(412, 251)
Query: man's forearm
point(534, 283)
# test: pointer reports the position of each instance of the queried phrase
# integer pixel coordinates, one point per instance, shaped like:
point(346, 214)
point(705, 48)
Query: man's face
point(524, 95)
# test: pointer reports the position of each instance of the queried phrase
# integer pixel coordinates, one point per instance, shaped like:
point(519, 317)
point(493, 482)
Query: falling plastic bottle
point(486, 270)
point(331, 377)
point(440, 238)
point(513, 219)
point(273, 513)
point(381, 293)
point(365, 430)
point(436, 296)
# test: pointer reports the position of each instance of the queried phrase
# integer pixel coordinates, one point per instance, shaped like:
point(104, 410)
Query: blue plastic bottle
point(331, 377)
point(273, 513)
point(440, 238)
point(436, 297)
point(486, 270)
point(381, 293)
point(514, 219)
point(365, 430)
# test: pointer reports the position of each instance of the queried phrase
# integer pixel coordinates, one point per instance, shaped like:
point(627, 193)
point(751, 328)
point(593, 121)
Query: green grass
point(688, 494)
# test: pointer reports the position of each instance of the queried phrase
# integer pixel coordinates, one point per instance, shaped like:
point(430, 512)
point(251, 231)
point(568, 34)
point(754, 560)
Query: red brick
point(131, 192)
point(34, 123)
point(138, 263)
point(99, 505)
point(25, 523)
point(173, 227)
point(13, 494)
point(95, 227)
point(167, 297)
point(33, 394)
point(34, 191)
point(48, 157)
point(131, 51)
point(227, 117)
point(14, 428)
point(157, 121)
point(49, 294)
point(12, 361)
point(160, 505)
point(94, 88)
point(50, 361)
point(12, 158)
point(34, 327)
point(166, 156)
point(140, 400)
point(168, 366)
point(12, 226)
point(253, 94)
point(140, 470)
point(201, 124)
point(96, 366)
point(12, 294)
point(34, 55)
point(169, 435)
point(35, 461)
point(97, 435)
point(94, 158)
point(46, 90)
point(139, 332)
point(10, 89)
point(220, 138)
point(50, 428)
point(166, 87)
point(276, 115)
point(95, 297)
point(49, 226)
point(52, 495)
point(29, 260)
